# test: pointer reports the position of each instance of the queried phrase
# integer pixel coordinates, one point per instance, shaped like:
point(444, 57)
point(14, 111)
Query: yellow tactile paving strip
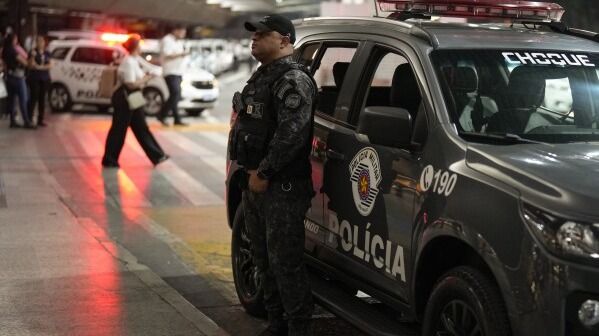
point(207, 239)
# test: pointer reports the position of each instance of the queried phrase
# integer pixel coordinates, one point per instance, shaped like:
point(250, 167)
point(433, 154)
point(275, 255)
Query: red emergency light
point(114, 37)
point(508, 9)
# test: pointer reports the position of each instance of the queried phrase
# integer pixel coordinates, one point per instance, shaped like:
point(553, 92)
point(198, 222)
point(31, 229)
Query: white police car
point(78, 65)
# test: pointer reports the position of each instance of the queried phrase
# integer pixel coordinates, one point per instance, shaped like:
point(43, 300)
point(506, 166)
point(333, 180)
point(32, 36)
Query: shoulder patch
point(293, 101)
point(283, 90)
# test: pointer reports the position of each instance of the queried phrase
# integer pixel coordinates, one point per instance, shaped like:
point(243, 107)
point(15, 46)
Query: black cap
point(278, 23)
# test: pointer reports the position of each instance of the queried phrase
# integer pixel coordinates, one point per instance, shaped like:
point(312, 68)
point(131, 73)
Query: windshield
point(545, 96)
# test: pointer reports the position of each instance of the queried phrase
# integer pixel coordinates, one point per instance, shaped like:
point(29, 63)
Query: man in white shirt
point(172, 55)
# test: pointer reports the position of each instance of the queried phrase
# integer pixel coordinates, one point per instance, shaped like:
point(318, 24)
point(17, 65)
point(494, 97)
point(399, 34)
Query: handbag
point(3, 91)
point(136, 100)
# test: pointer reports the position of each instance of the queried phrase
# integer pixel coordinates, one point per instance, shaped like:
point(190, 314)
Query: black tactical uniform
point(273, 134)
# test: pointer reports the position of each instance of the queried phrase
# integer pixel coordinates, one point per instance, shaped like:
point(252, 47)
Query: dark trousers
point(38, 90)
point(275, 223)
point(122, 119)
point(173, 83)
point(16, 88)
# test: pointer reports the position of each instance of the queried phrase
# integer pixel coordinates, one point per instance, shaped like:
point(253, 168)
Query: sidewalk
point(61, 275)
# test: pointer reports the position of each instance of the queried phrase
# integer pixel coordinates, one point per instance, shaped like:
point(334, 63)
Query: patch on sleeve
point(283, 90)
point(293, 101)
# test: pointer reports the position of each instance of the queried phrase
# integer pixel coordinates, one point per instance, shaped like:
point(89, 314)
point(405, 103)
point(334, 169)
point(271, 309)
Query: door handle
point(334, 155)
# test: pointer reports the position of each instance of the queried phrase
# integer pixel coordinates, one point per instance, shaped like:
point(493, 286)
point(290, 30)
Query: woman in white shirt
point(132, 78)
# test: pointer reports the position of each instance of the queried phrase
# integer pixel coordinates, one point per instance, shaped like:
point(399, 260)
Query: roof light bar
point(507, 9)
point(114, 37)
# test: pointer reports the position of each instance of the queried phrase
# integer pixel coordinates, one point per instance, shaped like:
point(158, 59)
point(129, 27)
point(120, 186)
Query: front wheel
point(154, 101)
point(245, 275)
point(59, 98)
point(466, 302)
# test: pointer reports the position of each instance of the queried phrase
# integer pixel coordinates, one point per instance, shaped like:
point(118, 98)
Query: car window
point(93, 55)
point(307, 54)
point(386, 68)
point(329, 76)
point(393, 84)
point(60, 53)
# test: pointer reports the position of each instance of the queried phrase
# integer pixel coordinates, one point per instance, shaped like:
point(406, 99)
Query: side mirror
point(387, 126)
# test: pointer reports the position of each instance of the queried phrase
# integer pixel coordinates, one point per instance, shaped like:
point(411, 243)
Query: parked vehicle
point(452, 189)
point(78, 65)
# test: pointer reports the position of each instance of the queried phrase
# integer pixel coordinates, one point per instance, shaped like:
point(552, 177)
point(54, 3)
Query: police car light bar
point(509, 9)
point(114, 37)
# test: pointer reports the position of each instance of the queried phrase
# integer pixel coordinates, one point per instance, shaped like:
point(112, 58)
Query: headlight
point(565, 238)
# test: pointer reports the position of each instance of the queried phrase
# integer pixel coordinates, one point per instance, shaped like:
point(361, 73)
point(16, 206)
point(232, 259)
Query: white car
point(199, 88)
point(214, 55)
point(78, 65)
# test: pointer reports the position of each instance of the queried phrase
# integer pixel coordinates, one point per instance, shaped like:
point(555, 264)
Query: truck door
point(371, 189)
point(329, 62)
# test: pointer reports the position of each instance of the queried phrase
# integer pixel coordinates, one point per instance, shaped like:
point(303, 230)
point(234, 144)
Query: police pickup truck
point(456, 165)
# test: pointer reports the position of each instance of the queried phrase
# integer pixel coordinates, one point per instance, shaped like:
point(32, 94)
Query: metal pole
point(34, 30)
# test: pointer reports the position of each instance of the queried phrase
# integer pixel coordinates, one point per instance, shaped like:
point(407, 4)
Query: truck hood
point(562, 178)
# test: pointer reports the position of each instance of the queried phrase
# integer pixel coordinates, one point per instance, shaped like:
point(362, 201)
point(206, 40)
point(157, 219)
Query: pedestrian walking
point(15, 61)
point(271, 139)
point(172, 58)
point(128, 104)
point(38, 79)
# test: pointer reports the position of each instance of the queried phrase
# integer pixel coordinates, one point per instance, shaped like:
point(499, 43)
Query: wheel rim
point(59, 98)
point(247, 274)
point(153, 102)
point(458, 319)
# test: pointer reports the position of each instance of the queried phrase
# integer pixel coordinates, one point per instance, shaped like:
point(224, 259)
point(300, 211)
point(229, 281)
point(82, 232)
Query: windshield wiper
point(500, 137)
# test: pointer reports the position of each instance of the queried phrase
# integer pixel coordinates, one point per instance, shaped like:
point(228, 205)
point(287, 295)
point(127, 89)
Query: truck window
point(60, 53)
point(93, 55)
point(330, 75)
point(393, 84)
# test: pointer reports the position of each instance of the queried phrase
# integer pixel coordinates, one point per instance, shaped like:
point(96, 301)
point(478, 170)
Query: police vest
point(257, 121)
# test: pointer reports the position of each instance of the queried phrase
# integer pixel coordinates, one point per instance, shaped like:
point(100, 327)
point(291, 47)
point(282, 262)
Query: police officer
point(272, 141)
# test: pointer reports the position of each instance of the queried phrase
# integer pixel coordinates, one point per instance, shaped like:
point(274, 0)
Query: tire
point(247, 285)
point(196, 112)
point(154, 101)
point(465, 294)
point(59, 98)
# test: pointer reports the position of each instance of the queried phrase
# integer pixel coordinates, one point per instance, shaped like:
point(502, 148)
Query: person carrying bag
point(129, 109)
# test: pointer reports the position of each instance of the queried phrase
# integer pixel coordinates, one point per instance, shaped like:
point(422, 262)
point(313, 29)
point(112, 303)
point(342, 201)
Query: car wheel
point(245, 276)
point(59, 98)
point(194, 112)
point(154, 101)
point(466, 302)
